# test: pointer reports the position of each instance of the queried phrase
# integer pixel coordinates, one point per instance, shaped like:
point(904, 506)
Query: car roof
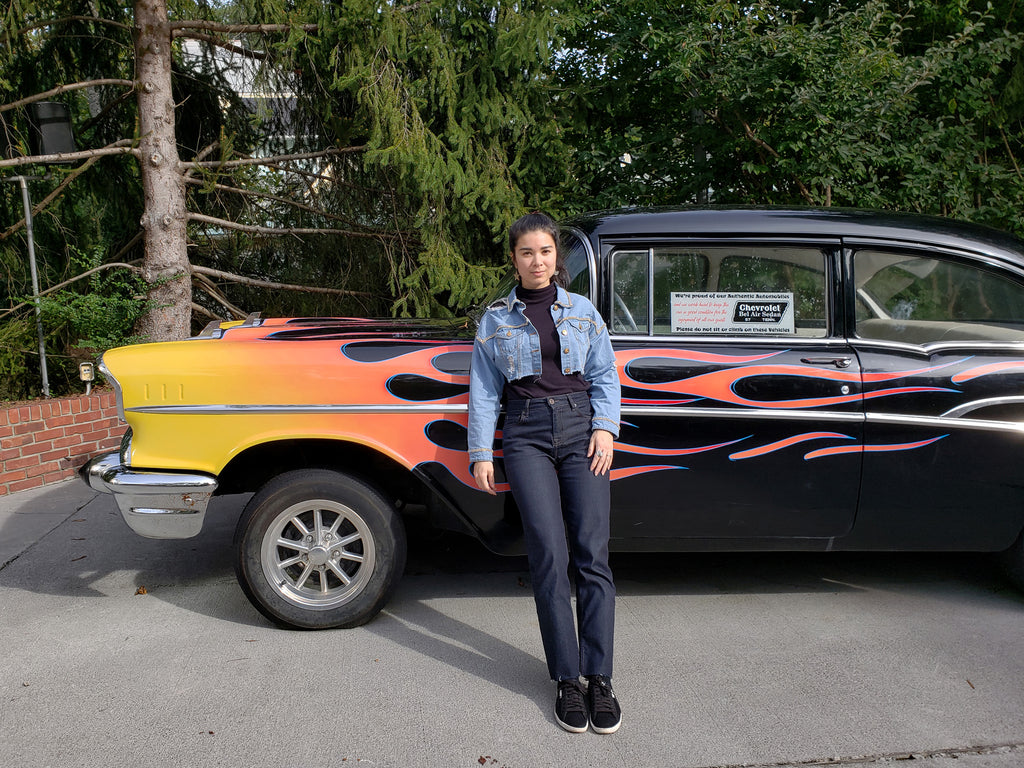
point(716, 222)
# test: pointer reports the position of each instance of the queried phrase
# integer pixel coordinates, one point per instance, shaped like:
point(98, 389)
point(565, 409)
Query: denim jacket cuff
point(600, 422)
point(480, 455)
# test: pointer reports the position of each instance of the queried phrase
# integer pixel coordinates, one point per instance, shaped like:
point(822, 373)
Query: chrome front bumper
point(157, 505)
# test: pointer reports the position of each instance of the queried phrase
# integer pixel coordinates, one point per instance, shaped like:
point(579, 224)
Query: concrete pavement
point(117, 651)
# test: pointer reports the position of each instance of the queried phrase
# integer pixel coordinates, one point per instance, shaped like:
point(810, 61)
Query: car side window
point(630, 291)
point(920, 299)
point(720, 290)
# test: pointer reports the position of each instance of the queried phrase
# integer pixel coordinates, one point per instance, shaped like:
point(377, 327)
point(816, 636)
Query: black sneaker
point(605, 714)
point(570, 707)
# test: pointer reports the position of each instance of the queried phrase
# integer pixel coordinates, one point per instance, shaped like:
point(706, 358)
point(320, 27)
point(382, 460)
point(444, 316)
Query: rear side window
point(721, 290)
point(921, 299)
point(575, 254)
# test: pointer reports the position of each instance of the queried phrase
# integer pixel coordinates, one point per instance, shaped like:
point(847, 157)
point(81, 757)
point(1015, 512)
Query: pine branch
point(276, 286)
point(67, 156)
point(178, 27)
point(292, 203)
point(5, 37)
point(64, 89)
point(252, 229)
point(246, 161)
point(41, 205)
point(231, 47)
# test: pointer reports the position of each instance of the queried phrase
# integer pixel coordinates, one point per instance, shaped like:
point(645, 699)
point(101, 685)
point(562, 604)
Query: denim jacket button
point(565, 351)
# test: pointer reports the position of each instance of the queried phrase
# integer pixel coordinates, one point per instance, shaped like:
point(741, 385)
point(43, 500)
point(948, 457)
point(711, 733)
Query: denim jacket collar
point(511, 302)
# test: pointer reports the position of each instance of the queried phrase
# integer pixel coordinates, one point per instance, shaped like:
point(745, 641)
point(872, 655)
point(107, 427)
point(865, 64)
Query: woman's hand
point(483, 473)
point(599, 452)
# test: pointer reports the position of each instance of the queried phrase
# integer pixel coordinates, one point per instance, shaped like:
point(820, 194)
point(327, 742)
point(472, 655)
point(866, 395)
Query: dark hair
point(541, 222)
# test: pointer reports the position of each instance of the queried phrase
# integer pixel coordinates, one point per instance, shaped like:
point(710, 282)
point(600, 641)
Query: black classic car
point(792, 380)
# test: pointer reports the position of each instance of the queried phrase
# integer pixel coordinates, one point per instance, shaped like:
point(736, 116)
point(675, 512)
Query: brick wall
point(45, 441)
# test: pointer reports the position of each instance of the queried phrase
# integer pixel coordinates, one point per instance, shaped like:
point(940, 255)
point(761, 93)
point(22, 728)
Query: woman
point(546, 353)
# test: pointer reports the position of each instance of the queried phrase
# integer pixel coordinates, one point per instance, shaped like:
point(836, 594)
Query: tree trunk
point(165, 265)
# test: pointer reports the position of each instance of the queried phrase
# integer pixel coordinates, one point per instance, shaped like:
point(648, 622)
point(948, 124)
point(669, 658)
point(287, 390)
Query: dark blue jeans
point(565, 510)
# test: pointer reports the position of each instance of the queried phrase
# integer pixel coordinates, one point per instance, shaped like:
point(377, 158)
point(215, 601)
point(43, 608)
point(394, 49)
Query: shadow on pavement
point(90, 552)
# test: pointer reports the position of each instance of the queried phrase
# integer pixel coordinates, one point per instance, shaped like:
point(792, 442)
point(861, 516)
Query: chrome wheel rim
point(318, 554)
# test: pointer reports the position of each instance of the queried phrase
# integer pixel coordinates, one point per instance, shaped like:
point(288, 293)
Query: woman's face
point(534, 258)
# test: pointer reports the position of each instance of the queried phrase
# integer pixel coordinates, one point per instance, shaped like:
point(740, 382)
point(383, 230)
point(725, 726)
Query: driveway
point(119, 650)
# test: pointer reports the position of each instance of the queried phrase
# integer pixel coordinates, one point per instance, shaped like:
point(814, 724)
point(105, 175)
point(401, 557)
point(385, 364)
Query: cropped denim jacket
point(507, 347)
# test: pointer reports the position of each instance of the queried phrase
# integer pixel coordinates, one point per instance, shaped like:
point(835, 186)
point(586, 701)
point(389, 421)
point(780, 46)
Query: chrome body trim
point(737, 413)
point(945, 422)
point(157, 505)
point(118, 395)
point(960, 410)
point(249, 410)
point(952, 417)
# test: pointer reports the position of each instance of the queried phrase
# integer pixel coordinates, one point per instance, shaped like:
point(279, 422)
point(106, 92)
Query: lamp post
point(50, 133)
point(22, 182)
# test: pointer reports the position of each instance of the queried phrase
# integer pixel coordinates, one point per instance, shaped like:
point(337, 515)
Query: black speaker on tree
point(50, 123)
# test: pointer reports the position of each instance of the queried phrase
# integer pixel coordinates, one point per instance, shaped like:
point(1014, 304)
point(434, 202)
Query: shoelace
point(572, 698)
point(603, 698)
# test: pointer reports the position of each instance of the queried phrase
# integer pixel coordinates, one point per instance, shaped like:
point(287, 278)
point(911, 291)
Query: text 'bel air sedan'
point(791, 380)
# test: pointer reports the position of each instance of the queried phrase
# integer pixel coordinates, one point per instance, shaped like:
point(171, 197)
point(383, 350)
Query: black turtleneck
point(551, 381)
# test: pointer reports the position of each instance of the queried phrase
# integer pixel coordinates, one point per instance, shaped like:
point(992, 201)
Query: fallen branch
point(205, 284)
point(201, 310)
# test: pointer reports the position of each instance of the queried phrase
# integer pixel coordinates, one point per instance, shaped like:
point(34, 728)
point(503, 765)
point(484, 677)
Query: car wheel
point(1012, 561)
point(316, 549)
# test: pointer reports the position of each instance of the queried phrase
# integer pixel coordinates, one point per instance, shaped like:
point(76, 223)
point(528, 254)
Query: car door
point(940, 337)
point(741, 402)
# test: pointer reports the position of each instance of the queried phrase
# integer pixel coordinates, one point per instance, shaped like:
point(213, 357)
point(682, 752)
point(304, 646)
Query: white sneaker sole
point(613, 729)
point(571, 728)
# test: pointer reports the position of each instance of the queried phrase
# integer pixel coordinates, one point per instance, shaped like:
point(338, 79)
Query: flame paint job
point(396, 372)
point(778, 445)
point(841, 449)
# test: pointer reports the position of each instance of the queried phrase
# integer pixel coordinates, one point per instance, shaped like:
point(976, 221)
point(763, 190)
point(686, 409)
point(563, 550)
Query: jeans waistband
point(572, 399)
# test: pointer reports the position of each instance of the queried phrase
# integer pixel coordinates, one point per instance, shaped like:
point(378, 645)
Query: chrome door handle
point(838, 362)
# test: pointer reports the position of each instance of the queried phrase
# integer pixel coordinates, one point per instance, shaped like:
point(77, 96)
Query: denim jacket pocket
point(579, 347)
point(512, 350)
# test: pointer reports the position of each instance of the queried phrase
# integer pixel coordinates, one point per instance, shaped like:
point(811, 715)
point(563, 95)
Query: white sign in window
point(732, 313)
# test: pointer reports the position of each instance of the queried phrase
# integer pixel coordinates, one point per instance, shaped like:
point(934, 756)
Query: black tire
point(348, 555)
point(1012, 562)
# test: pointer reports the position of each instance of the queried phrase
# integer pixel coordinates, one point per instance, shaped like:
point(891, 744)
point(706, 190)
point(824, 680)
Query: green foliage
point(102, 315)
point(17, 337)
point(861, 104)
point(452, 103)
